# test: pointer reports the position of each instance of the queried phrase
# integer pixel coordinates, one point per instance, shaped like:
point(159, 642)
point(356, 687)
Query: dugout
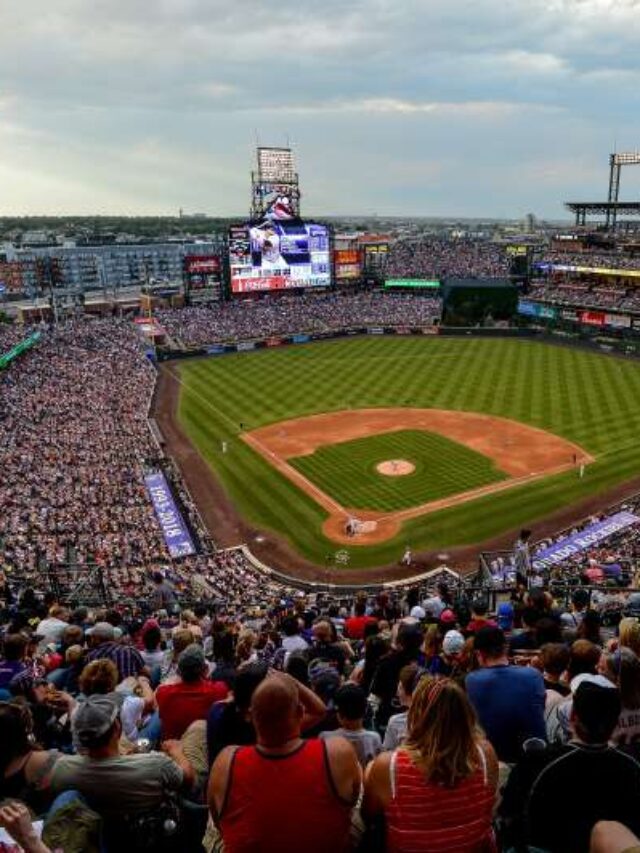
point(468, 302)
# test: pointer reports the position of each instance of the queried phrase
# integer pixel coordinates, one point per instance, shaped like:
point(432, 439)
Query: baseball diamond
point(347, 470)
point(587, 400)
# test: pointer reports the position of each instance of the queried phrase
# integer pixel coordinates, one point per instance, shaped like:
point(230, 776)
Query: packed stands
point(243, 320)
point(587, 296)
point(604, 260)
point(433, 257)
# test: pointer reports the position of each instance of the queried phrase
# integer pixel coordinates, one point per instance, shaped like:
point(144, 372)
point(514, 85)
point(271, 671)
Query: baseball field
point(428, 442)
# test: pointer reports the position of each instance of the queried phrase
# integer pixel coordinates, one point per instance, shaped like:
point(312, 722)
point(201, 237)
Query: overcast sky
point(418, 107)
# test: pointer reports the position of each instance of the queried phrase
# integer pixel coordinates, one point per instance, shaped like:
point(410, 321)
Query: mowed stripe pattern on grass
point(591, 399)
point(347, 471)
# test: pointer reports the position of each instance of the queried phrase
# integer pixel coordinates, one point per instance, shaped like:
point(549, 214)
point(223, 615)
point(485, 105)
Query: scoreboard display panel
point(279, 255)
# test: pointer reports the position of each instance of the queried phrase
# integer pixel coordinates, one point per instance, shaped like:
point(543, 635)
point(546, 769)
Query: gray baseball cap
point(101, 629)
point(192, 663)
point(94, 717)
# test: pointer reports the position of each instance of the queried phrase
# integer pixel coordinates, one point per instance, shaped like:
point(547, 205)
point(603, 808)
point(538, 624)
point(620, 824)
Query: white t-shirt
point(130, 715)
point(293, 644)
point(396, 732)
point(151, 659)
point(51, 629)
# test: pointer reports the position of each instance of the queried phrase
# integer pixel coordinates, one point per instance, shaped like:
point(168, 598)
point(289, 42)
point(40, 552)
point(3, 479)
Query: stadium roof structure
point(613, 207)
point(611, 210)
point(627, 208)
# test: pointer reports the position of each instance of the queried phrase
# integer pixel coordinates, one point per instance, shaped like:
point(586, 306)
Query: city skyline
point(422, 108)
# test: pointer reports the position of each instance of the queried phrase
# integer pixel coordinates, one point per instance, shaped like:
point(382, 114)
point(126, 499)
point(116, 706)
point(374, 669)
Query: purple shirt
point(8, 669)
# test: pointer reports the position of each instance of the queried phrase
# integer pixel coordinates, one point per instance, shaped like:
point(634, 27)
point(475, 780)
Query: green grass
point(591, 399)
point(347, 471)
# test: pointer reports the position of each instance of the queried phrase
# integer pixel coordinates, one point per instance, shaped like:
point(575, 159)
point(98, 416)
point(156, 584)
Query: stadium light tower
point(275, 186)
point(616, 162)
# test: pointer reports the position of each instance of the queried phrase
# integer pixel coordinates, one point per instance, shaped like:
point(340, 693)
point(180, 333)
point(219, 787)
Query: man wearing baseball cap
point(102, 641)
point(117, 785)
point(447, 662)
point(189, 699)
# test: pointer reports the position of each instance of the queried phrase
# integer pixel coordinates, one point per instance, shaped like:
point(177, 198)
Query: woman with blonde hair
point(190, 622)
point(629, 634)
point(246, 647)
point(436, 792)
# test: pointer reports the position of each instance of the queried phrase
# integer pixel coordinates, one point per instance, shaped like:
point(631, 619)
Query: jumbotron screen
point(278, 255)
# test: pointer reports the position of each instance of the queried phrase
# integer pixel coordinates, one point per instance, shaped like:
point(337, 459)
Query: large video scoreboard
point(279, 254)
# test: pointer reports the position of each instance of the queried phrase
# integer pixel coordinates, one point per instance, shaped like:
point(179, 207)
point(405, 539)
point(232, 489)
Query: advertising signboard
point(202, 264)
point(412, 282)
point(592, 318)
point(618, 321)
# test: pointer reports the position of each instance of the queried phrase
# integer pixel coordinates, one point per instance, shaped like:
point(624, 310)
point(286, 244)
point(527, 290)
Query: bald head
point(276, 712)
point(322, 631)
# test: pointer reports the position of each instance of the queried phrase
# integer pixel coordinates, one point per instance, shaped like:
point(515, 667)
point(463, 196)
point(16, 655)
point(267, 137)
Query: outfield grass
point(347, 471)
point(591, 399)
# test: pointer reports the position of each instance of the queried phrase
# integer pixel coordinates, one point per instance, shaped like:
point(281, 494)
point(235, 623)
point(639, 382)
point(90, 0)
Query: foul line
point(206, 402)
point(293, 474)
point(278, 463)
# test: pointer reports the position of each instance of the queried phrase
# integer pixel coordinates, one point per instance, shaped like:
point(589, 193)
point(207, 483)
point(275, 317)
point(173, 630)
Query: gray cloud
point(423, 106)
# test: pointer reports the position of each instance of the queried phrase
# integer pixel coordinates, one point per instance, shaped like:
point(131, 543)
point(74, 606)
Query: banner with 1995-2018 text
point(176, 534)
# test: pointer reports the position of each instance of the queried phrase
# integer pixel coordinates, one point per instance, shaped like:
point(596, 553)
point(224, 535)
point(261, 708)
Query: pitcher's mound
point(395, 468)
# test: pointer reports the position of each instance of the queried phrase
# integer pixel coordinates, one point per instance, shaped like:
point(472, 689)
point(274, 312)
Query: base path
point(523, 452)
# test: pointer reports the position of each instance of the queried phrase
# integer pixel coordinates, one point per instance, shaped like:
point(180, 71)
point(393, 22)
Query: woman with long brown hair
point(437, 791)
point(24, 766)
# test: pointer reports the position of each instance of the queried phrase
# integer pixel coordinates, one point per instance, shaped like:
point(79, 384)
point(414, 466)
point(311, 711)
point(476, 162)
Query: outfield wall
point(304, 338)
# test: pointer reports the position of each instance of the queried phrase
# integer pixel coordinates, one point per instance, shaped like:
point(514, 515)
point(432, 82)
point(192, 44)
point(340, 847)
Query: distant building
point(103, 267)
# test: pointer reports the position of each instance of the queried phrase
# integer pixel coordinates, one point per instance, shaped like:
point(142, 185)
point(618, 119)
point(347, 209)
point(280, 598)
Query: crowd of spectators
point(286, 315)
point(583, 293)
point(390, 723)
point(436, 258)
point(10, 335)
point(586, 295)
point(74, 442)
point(617, 260)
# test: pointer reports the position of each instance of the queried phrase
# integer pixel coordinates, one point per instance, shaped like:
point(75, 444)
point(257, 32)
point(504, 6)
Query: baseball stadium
point(355, 501)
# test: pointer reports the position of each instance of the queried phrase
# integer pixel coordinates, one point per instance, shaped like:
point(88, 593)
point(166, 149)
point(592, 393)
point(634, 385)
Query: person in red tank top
point(285, 794)
point(437, 791)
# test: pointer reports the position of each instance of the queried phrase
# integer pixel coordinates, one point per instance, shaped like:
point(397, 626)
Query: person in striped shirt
point(436, 792)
